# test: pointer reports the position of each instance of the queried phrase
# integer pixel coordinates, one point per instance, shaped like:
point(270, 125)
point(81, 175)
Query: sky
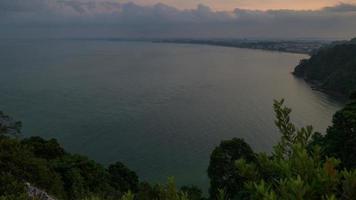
point(324, 19)
point(228, 5)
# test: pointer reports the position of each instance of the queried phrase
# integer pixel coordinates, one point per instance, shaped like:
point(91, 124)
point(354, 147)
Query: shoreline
point(234, 46)
point(317, 87)
point(301, 47)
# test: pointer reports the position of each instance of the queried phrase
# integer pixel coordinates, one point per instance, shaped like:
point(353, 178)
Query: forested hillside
point(332, 68)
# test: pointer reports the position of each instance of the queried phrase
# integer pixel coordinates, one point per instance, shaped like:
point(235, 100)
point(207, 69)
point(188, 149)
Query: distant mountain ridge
point(332, 68)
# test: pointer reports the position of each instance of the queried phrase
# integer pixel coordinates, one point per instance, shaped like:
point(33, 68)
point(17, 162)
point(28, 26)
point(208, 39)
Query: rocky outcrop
point(34, 192)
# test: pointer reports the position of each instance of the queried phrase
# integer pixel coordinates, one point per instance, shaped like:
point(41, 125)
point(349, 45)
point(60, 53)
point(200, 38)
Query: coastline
point(314, 85)
point(273, 46)
point(302, 47)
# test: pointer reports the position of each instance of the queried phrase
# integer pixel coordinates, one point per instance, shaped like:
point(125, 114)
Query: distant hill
point(331, 68)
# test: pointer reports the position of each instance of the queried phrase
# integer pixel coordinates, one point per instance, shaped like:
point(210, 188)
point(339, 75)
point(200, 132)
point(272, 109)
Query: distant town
point(292, 46)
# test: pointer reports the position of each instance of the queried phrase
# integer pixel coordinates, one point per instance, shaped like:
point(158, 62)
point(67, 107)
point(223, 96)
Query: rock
point(34, 192)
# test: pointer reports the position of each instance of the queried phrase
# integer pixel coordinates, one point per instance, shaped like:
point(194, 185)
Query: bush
point(46, 165)
point(293, 172)
point(221, 170)
point(122, 179)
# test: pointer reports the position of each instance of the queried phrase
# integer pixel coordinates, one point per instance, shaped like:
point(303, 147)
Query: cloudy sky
point(178, 18)
point(247, 4)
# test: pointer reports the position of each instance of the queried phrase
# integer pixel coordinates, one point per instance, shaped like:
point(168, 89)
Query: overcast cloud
point(74, 18)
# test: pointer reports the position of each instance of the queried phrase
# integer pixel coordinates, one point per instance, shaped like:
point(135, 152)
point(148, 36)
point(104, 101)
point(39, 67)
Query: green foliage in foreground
point(299, 167)
point(303, 165)
point(46, 165)
point(168, 191)
point(222, 171)
point(293, 172)
point(340, 140)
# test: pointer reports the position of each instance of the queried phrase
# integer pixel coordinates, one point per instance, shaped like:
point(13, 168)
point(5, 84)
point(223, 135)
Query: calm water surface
point(159, 108)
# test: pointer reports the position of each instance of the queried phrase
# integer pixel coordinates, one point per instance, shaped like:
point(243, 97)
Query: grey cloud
point(22, 5)
point(342, 7)
point(105, 18)
point(90, 6)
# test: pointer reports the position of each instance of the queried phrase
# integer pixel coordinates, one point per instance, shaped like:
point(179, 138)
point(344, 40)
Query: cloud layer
point(78, 18)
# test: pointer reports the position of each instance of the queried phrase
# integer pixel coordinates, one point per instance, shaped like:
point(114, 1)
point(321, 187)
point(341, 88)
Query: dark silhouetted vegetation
point(294, 171)
point(340, 139)
point(45, 164)
point(332, 68)
point(222, 172)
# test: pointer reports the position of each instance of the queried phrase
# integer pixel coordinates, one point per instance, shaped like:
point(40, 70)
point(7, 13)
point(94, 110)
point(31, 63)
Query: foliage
point(122, 178)
point(47, 166)
point(293, 172)
point(46, 149)
point(19, 196)
point(19, 163)
point(193, 192)
point(147, 191)
point(353, 96)
point(128, 196)
point(340, 140)
point(221, 195)
point(303, 165)
point(332, 68)
point(170, 192)
point(82, 176)
point(221, 170)
point(10, 186)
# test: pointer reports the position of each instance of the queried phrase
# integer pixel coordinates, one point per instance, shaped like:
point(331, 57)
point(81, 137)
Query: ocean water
point(159, 108)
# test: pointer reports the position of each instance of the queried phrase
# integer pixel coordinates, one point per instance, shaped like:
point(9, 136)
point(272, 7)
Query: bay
point(159, 108)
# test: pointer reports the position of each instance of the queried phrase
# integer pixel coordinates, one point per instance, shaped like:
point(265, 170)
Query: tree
point(47, 149)
point(193, 192)
point(169, 191)
point(122, 178)
point(340, 140)
point(21, 165)
point(147, 192)
point(293, 172)
point(221, 170)
point(82, 177)
point(166, 191)
point(332, 68)
point(353, 96)
point(11, 187)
